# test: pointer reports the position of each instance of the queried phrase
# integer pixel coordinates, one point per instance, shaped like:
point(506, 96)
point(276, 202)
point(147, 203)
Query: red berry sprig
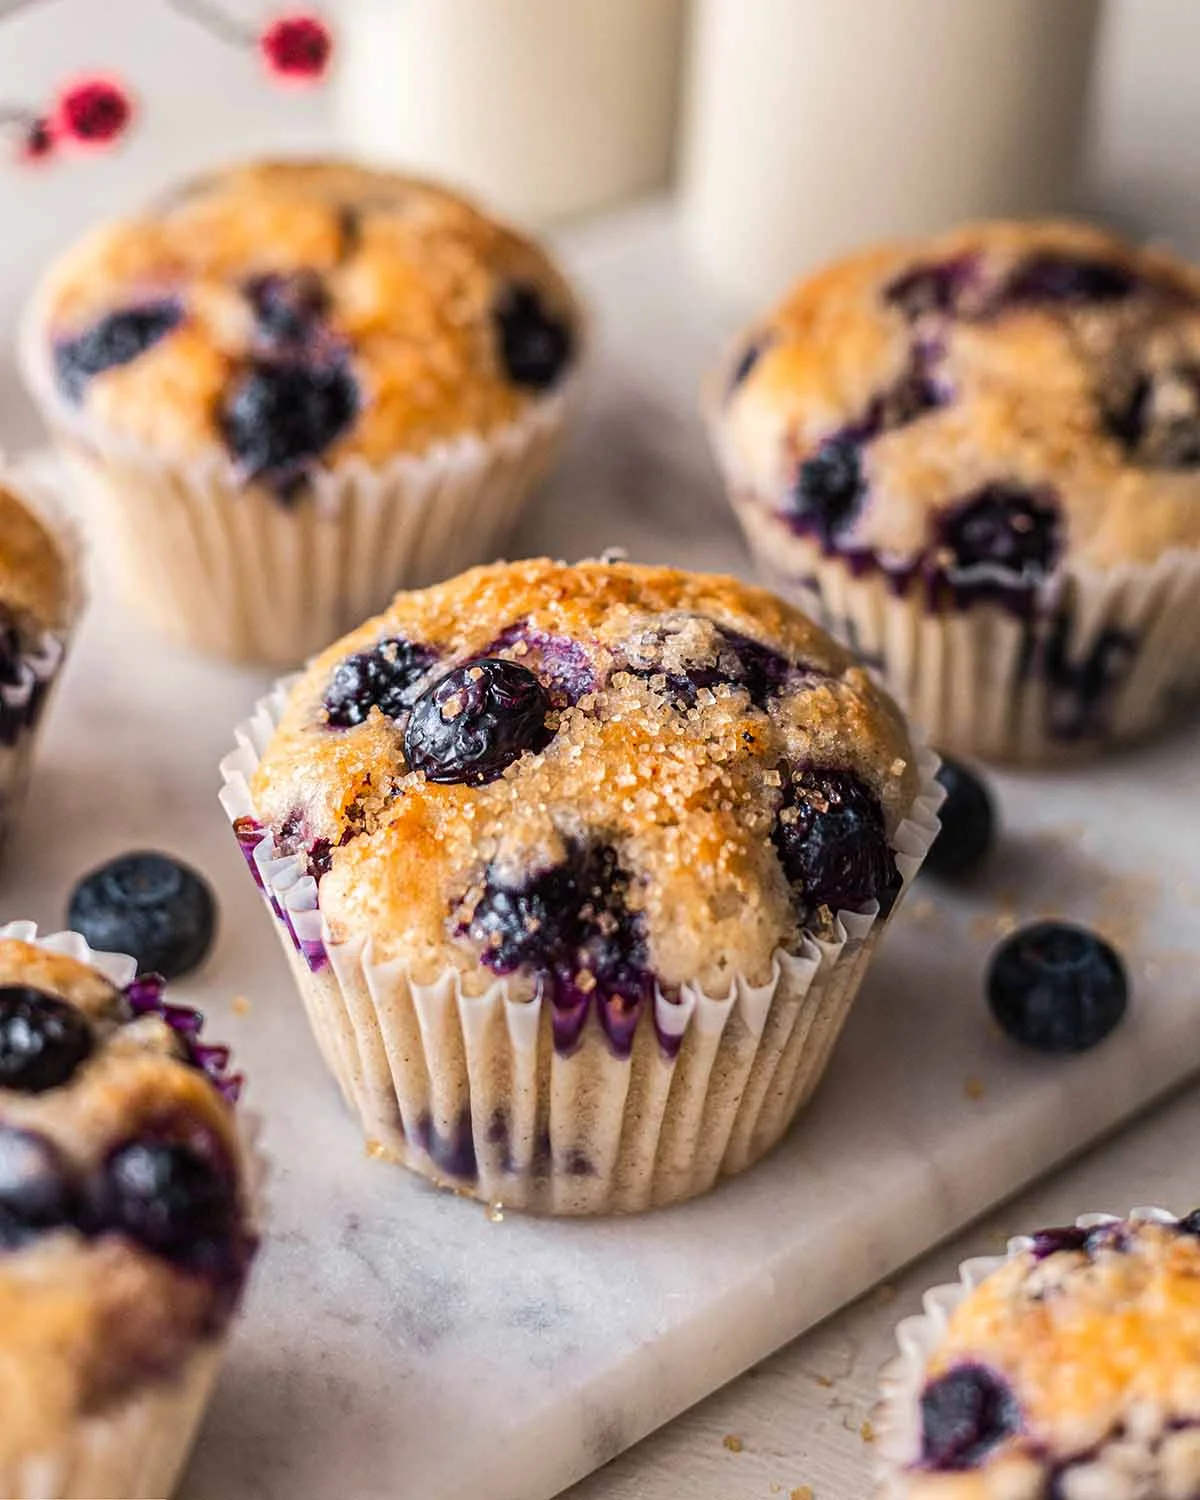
point(95, 112)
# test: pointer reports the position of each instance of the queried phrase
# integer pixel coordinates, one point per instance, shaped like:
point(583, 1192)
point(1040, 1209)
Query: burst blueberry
point(1052, 277)
point(476, 721)
point(1011, 530)
point(832, 842)
point(117, 339)
point(169, 1198)
point(280, 417)
point(386, 677)
point(735, 661)
point(535, 345)
point(1056, 987)
point(43, 1040)
point(287, 308)
point(829, 489)
point(968, 818)
point(149, 905)
point(37, 1189)
point(966, 1414)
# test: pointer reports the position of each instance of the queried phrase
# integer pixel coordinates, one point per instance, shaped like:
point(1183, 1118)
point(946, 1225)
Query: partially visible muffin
point(603, 801)
point(39, 602)
point(1071, 1372)
point(126, 1223)
point(301, 384)
point(977, 458)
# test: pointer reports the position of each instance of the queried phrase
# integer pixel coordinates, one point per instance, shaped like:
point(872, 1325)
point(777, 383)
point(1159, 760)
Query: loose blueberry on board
point(280, 417)
point(535, 346)
point(1056, 988)
point(385, 677)
point(158, 910)
point(167, 1197)
point(476, 720)
point(968, 818)
point(829, 489)
point(832, 843)
point(37, 1193)
point(1006, 527)
point(964, 1415)
point(117, 339)
point(43, 1040)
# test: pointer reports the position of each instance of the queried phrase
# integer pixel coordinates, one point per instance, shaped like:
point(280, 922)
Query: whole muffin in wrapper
point(976, 460)
point(579, 869)
point(290, 388)
point(41, 596)
point(128, 1222)
point(1067, 1370)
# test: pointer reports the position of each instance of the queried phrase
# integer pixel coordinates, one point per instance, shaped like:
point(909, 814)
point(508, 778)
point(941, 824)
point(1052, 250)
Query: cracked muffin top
point(600, 777)
point(1001, 398)
point(1072, 1373)
point(125, 1229)
point(285, 314)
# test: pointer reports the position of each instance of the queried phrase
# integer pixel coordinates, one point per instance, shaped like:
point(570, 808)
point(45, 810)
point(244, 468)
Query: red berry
point(93, 112)
point(37, 142)
point(297, 49)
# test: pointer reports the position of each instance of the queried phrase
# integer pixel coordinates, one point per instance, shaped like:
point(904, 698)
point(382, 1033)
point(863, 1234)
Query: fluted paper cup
point(472, 1091)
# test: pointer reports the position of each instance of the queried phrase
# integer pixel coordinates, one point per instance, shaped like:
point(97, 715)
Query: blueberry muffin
point(294, 386)
point(977, 460)
point(126, 1228)
point(39, 603)
point(579, 868)
point(1070, 1372)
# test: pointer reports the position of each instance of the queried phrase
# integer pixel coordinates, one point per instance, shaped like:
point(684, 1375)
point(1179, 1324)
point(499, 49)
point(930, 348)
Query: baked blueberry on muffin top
point(1071, 1373)
point(593, 780)
point(125, 1228)
point(37, 602)
point(290, 314)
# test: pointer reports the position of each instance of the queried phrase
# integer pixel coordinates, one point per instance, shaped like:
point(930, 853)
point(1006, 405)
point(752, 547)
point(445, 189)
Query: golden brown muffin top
point(1009, 394)
point(1072, 1372)
point(612, 774)
point(124, 1224)
point(291, 313)
point(35, 578)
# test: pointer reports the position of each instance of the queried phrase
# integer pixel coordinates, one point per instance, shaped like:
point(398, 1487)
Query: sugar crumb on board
point(733, 1442)
point(240, 1005)
point(974, 1088)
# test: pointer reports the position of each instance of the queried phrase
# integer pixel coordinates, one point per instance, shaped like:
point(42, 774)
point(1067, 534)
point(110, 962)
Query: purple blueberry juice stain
point(249, 834)
point(965, 1414)
point(1047, 1242)
point(571, 927)
point(734, 661)
point(832, 842)
point(145, 997)
point(116, 339)
point(561, 664)
point(453, 1152)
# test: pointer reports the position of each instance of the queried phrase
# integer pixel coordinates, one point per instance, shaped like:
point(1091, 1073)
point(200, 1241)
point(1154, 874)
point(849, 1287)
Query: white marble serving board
point(401, 1343)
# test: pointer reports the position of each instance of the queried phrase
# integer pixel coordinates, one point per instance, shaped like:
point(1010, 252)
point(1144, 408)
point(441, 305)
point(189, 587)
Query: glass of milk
point(543, 108)
point(813, 126)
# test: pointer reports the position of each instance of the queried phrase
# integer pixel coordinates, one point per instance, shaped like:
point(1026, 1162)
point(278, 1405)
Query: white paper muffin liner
point(470, 1089)
point(897, 1418)
point(23, 704)
point(137, 1449)
point(235, 571)
point(985, 680)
